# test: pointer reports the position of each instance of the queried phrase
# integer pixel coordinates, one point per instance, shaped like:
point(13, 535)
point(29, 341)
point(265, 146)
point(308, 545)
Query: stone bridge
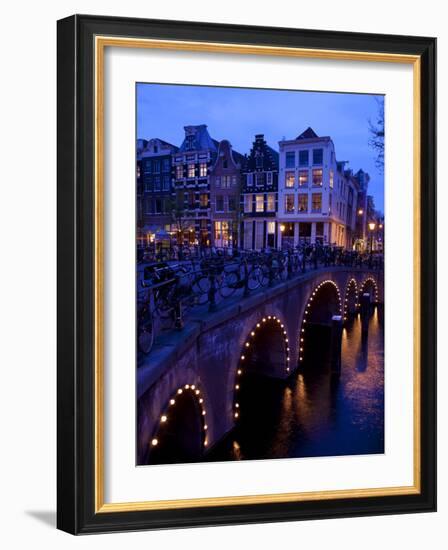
point(188, 385)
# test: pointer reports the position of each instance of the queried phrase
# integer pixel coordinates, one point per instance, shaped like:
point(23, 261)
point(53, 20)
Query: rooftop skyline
point(237, 114)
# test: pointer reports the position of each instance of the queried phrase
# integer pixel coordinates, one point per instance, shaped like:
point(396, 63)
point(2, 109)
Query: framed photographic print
point(246, 266)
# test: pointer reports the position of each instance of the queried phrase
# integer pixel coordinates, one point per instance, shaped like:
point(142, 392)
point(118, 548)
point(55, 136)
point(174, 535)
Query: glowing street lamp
point(360, 212)
point(282, 228)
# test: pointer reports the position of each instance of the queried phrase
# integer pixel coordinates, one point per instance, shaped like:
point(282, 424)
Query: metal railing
point(170, 288)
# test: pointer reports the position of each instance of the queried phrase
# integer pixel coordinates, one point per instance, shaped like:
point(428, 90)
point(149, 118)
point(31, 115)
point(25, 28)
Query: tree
point(376, 130)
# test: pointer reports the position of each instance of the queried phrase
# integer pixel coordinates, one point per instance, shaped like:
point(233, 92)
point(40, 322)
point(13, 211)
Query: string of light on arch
point(352, 283)
point(169, 409)
point(308, 307)
point(375, 286)
point(247, 346)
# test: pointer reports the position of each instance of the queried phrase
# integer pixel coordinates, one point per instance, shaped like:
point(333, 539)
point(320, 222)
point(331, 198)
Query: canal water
point(315, 413)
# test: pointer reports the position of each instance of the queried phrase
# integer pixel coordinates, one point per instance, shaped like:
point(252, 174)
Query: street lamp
point(360, 212)
point(372, 226)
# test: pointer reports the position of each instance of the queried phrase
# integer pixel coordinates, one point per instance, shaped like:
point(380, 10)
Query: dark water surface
point(315, 413)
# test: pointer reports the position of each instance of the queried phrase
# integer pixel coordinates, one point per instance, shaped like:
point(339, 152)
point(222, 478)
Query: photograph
point(259, 293)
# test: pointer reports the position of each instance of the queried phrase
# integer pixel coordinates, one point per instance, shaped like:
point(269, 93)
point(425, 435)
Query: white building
point(317, 198)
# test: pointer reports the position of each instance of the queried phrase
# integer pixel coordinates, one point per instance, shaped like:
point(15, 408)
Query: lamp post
point(372, 226)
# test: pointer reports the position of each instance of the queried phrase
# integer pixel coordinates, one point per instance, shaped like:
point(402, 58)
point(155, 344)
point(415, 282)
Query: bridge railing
point(168, 290)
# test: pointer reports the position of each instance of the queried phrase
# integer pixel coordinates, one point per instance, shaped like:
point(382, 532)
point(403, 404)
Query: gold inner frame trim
point(101, 42)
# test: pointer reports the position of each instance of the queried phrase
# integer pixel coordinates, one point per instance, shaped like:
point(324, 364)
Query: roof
point(200, 138)
point(309, 133)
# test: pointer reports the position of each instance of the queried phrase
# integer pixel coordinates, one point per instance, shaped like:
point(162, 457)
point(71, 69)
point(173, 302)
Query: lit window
point(271, 228)
point(303, 178)
point(289, 179)
point(202, 170)
point(318, 156)
point(316, 202)
point(289, 203)
point(191, 171)
point(270, 202)
point(303, 158)
point(303, 203)
point(259, 203)
point(317, 177)
point(247, 203)
point(203, 200)
point(179, 172)
point(138, 171)
point(331, 179)
point(290, 159)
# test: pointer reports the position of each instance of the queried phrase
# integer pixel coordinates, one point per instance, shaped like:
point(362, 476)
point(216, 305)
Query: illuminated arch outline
point(197, 394)
point(307, 309)
point(240, 369)
point(375, 286)
point(351, 282)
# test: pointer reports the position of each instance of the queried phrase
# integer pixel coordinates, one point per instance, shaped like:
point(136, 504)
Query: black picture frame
point(76, 261)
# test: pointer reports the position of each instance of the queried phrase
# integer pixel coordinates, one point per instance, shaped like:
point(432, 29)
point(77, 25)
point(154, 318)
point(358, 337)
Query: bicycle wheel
point(230, 282)
point(254, 278)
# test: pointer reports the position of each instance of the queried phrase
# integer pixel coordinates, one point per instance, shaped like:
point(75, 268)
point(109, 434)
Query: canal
point(315, 412)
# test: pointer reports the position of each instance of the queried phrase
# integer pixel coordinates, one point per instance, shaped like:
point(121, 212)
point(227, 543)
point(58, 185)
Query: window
point(219, 203)
point(218, 181)
point(259, 160)
point(179, 172)
point(290, 159)
point(234, 181)
point(180, 199)
point(232, 204)
point(318, 156)
point(222, 232)
point(191, 199)
point(270, 228)
point(270, 202)
point(178, 159)
point(316, 202)
point(189, 143)
point(148, 206)
point(317, 177)
point(331, 179)
point(303, 178)
point(303, 158)
point(203, 169)
point(249, 179)
point(166, 165)
point(303, 203)
point(269, 178)
point(156, 183)
point(158, 206)
point(226, 181)
point(191, 171)
point(289, 179)
point(259, 203)
point(166, 183)
point(289, 203)
point(259, 179)
point(148, 186)
point(247, 203)
point(203, 200)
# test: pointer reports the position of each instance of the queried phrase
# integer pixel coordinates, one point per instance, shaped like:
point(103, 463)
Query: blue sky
point(237, 114)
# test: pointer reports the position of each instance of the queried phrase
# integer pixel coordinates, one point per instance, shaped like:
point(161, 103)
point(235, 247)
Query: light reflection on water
point(315, 413)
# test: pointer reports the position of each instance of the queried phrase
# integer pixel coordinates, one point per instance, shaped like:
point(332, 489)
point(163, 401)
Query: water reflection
point(316, 413)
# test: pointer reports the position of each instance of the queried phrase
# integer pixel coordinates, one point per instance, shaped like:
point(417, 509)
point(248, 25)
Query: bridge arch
point(370, 286)
point(265, 352)
point(351, 298)
point(323, 302)
point(180, 435)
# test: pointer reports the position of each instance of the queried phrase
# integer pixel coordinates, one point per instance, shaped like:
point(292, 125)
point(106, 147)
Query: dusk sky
point(237, 114)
